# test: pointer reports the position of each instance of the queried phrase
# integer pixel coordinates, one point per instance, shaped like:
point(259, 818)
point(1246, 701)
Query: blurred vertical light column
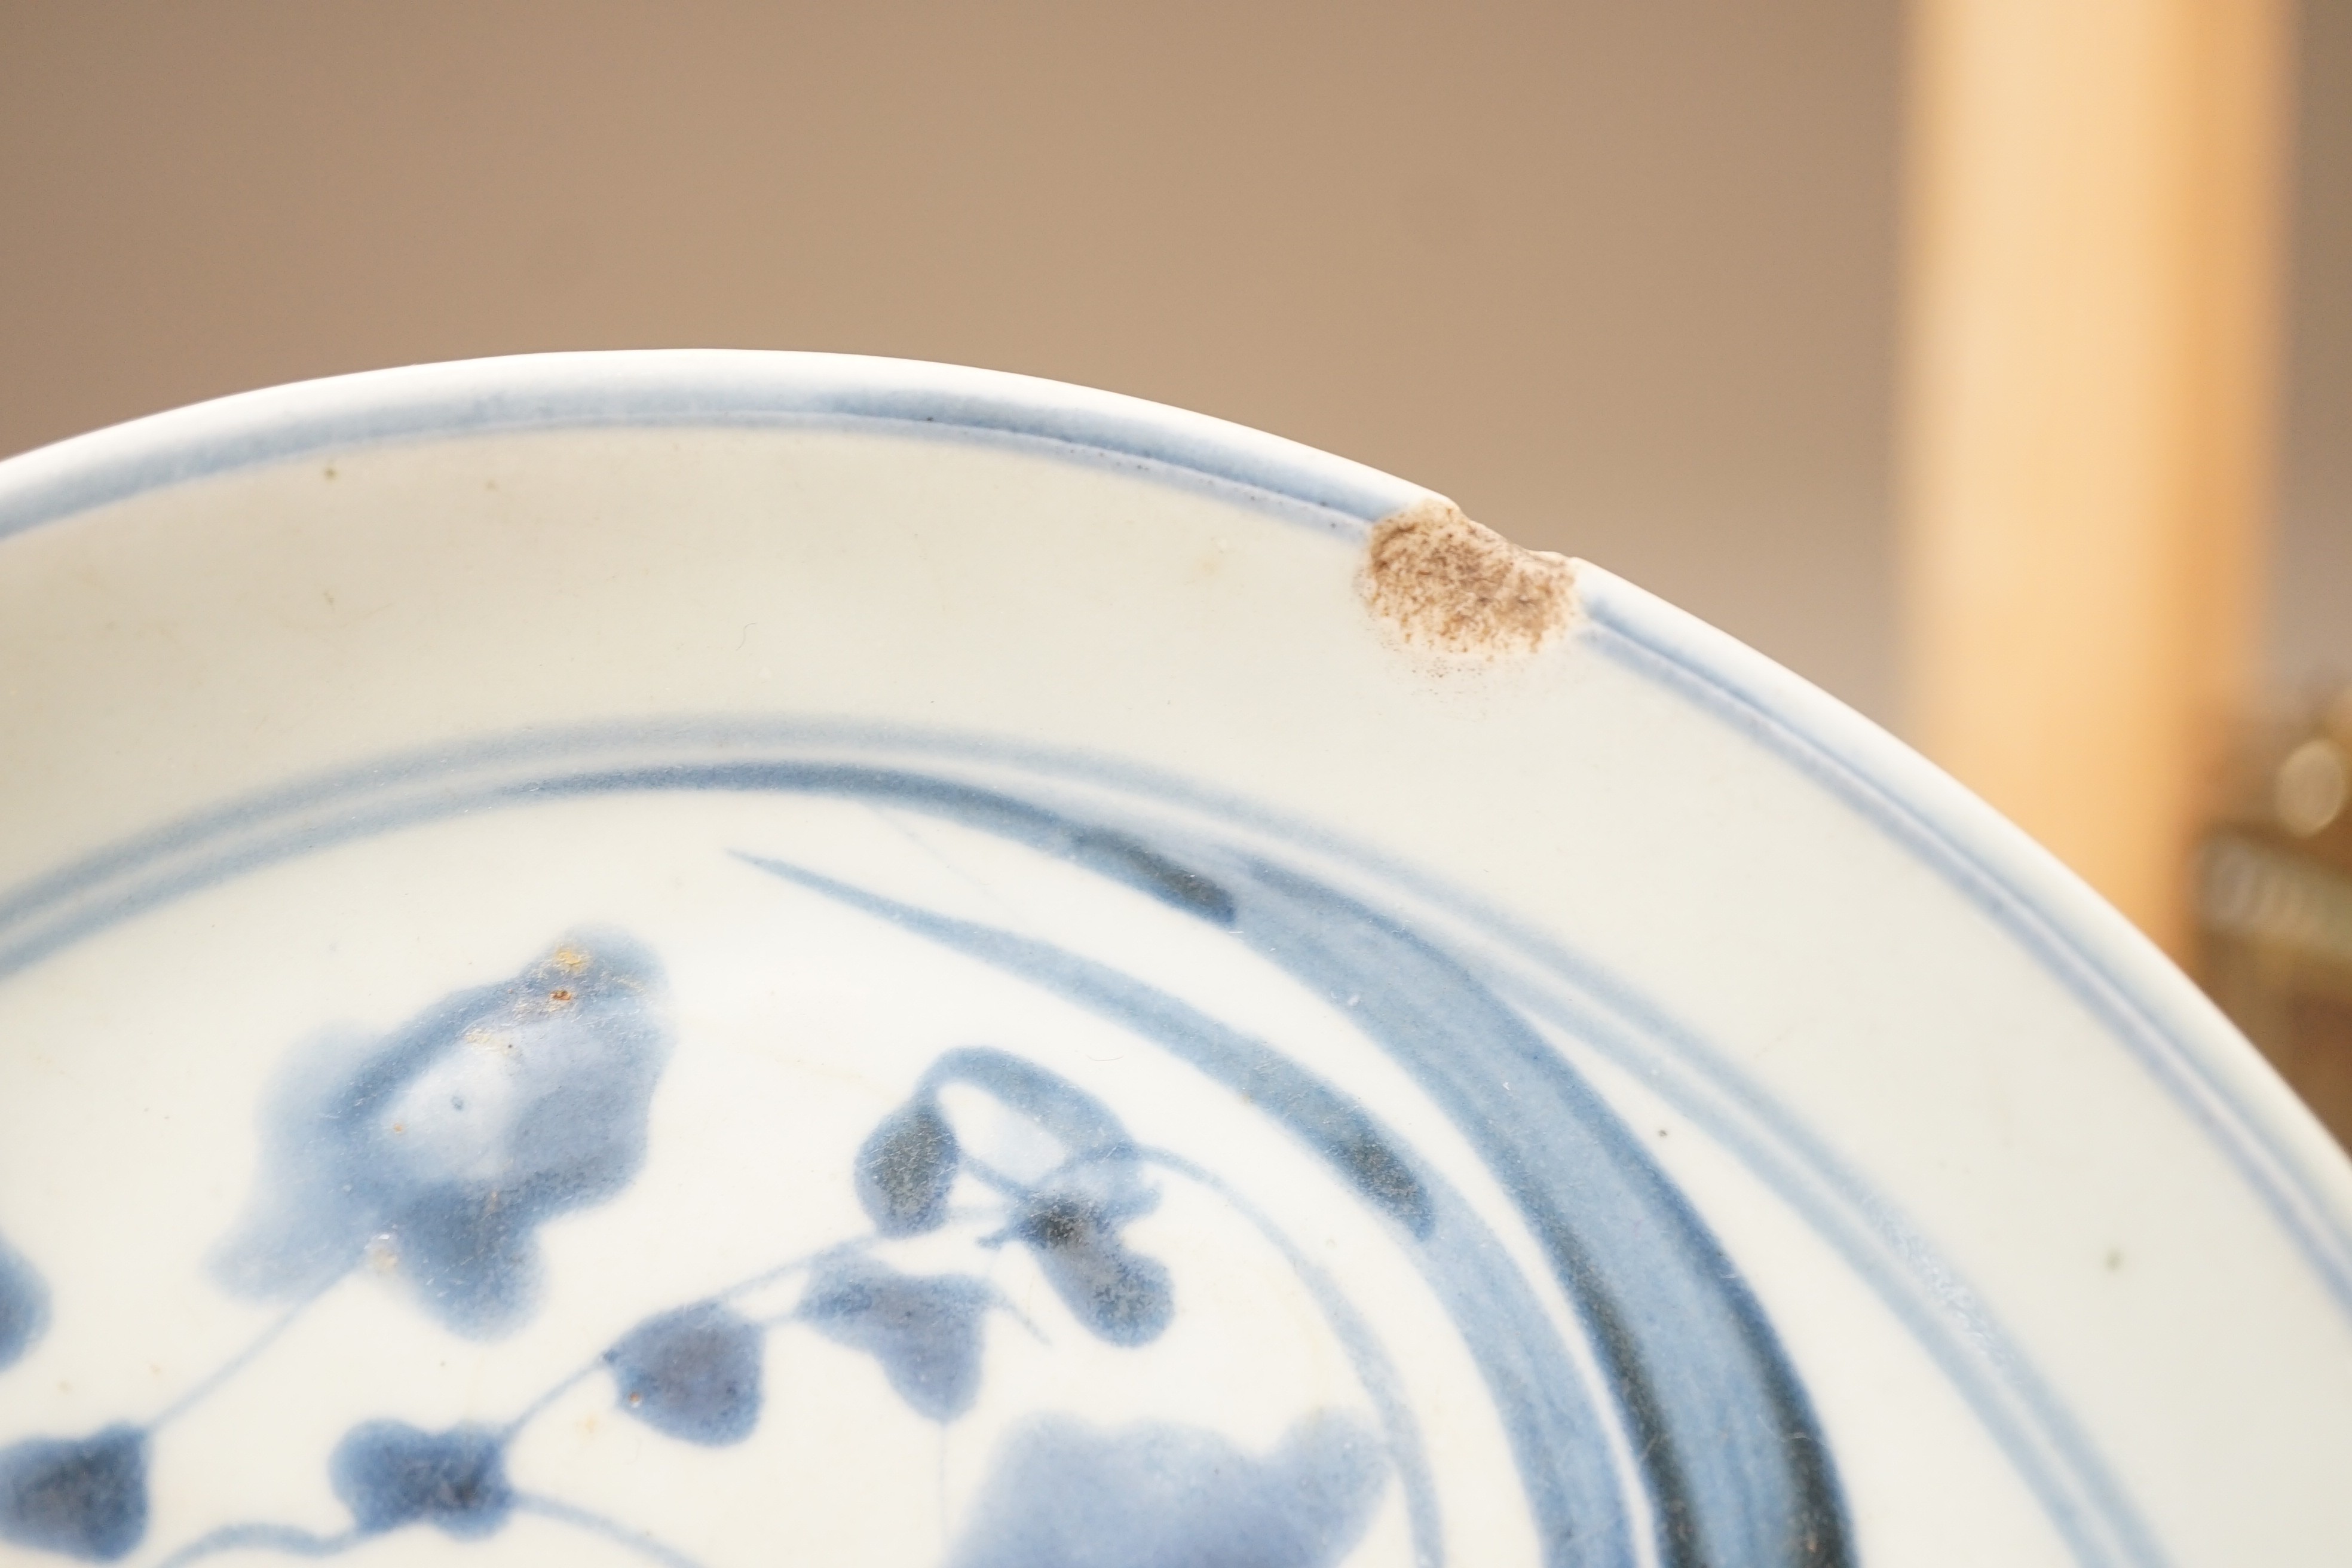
point(2094, 206)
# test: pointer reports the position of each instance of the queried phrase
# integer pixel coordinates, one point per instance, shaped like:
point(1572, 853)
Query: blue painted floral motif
point(1073, 1219)
point(24, 1305)
point(443, 1147)
point(1064, 1495)
point(693, 1372)
point(435, 1153)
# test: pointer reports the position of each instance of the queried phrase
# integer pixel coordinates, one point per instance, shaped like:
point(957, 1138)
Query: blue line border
point(665, 387)
point(2158, 1017)
point(2054, 1461)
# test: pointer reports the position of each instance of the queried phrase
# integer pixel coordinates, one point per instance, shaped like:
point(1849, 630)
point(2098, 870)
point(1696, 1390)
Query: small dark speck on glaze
point(693, 1374)
point(1066, 1495)
point(390, 1474)
point(81, 1497)
point(24, 1305)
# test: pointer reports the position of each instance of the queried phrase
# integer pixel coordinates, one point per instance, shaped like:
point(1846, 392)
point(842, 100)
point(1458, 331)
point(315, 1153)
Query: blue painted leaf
point(390, 1474)
point(81, 1497)
point(24, 1305)
point(693, 1374)
point(906, 1169)
point(1119, 1294)
point(1064, 1495)
point(925, 1331)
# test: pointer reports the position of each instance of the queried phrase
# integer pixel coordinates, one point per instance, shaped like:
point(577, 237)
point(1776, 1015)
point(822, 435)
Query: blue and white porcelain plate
point(714, 959)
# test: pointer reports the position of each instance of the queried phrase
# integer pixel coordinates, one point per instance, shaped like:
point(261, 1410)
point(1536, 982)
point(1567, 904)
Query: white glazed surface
point(300, 691)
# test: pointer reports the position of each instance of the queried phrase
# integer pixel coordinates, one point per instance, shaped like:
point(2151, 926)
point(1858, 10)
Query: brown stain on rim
point(1441, 582)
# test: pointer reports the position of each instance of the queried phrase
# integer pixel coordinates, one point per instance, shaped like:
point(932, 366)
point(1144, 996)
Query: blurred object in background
point(2311, 595)
point(2097, 203)
point(2275, 906)
point(2274, 874)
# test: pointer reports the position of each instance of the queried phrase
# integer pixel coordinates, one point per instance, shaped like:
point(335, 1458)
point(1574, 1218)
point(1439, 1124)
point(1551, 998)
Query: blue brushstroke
point(1083, 1125)
point(1690, 1352)
point(79, 1496)
point(1558, 1438)
point(228, 1371)
point(1332, 1122)
point(1066, 1495)
point(1121, 1295)
point(24, 1305)
point(722, 388)
point(694, 1374)
point(1399, 1430)
point(1699, 1488)
point(448, 1143)
point(1074, 1225)
point(925, 1331)
point(1686, 1347)
point(610, 1529)
point(286, 1539)
point(906, 1168)
point(389, 1475)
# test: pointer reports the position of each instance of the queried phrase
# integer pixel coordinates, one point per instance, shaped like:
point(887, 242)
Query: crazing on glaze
point(429, 1158)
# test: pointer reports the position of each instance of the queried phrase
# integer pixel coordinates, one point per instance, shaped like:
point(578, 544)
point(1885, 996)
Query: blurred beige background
point(1620, 278)
point(2312, 582)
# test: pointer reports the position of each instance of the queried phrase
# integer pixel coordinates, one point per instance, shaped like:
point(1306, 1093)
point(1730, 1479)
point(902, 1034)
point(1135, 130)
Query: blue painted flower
point(1066, 1495)
point(438, 1151)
